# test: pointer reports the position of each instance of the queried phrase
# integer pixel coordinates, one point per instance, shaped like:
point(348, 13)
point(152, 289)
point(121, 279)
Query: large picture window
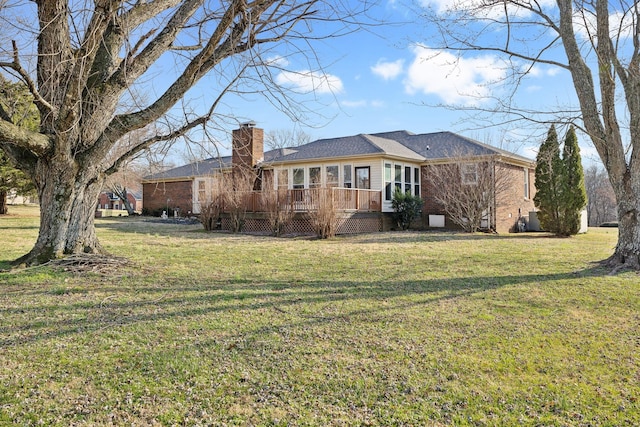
point(347, 179)
point(315, 177)
point(363, 177)
point(283, 178)
point(332, 176)
point(398, 177)
point(388, 193)
point(298, 178)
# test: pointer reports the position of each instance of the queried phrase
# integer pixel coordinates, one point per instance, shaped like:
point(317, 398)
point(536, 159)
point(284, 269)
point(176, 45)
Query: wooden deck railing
point(308, 199)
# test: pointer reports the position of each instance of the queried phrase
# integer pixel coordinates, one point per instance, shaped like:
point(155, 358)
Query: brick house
point(108, 200)
point(363, 170)
point(187, 187)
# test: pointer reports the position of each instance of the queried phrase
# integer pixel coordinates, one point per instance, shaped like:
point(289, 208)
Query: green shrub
point(406, 207)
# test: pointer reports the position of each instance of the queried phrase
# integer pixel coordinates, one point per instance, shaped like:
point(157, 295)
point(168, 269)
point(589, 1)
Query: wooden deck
point(305, 200)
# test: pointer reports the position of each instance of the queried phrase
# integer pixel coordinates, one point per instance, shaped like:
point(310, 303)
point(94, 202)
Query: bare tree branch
point(11, 134)
point(26, 78)
point(183, 130)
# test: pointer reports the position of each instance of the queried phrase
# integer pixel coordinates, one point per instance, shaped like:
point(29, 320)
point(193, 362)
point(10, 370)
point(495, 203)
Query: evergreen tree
point(548, 183)
point(574, 194)
point(12, 179)
point(16, 103)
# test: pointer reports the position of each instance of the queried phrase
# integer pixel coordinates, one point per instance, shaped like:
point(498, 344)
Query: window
point(407, 179)
point(526, 183)
point(347, 176)
point(387, 182)
point(362, 178)
point(332, 176)
point(202, 191)
point(283, 178)
point(416, 182)
point(398, 177)
point(315, 177)
point(298, 178)
point(469, 173)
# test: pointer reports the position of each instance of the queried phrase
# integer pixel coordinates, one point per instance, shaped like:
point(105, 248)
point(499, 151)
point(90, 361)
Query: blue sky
point(382, 78)
point(386, 78)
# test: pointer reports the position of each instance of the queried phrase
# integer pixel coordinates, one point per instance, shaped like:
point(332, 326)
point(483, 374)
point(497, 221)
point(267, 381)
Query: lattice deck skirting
point(347, 224)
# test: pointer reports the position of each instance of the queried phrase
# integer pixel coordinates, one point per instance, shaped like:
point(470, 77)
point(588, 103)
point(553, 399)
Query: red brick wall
point(510, 201)
point(180, 193)
point(104, 200)
point(248, 146)
point(430, 207)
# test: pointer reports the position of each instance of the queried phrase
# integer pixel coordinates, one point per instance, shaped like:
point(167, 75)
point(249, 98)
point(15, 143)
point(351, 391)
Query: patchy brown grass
point(378, 329)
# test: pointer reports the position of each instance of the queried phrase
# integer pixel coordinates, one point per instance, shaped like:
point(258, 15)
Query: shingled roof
point(444, 145)
point(399, 144)
point(207, 167)
point(200, 168)
point(349, 146)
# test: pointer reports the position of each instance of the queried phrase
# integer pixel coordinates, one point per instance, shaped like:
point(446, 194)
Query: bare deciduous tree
point(211, 210)
point(284, 138)
point(467, 190)
point(87, 63)
point(124, 181)
point(276, 202)
point(237, 191)
point(323, 214)
point(601, 201)
point(597, 42)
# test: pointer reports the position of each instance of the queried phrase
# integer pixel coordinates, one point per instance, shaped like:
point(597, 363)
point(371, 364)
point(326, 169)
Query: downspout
point(493, 198)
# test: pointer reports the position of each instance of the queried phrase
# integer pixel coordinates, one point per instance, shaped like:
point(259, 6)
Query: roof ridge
point(498, 150)
point(394, 141)
point(368, 136)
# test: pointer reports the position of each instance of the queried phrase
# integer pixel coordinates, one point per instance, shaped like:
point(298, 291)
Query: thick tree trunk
point(3, 203)
point(68, 200)
point(627, 253)
point(121, 192)
point(127, 206)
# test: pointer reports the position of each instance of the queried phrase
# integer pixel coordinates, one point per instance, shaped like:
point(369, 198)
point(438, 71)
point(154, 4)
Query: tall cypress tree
point(574, 194)
point(548, 183)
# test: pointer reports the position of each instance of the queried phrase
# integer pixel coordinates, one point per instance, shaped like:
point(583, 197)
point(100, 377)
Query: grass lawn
point(379, 329)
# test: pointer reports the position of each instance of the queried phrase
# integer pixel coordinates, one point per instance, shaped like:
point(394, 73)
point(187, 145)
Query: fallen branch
point(91, 263)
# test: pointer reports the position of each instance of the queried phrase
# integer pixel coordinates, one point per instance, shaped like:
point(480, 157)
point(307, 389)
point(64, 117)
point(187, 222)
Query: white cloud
point(620, 24)
point(554, 71)
point(354, 104)
point(388, 70)
point(362, 103)
point(533, 88)
point(277, 61)
point(455, 80)
point(308, 81)
point(539, 71)
point(535, 71)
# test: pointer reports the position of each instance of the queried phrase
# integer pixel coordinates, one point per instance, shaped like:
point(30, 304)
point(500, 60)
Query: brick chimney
point(247, 147)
